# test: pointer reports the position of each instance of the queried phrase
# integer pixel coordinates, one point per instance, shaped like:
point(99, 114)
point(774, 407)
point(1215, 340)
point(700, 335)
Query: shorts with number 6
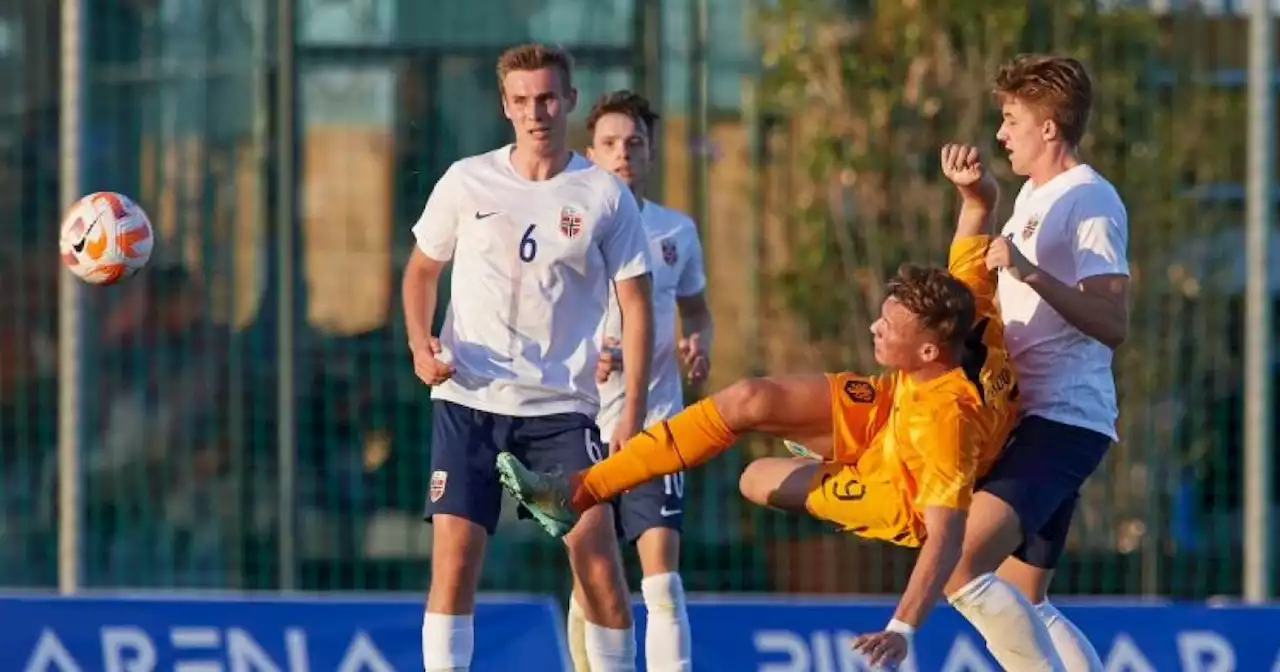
point(465, 444)
point(869, 505)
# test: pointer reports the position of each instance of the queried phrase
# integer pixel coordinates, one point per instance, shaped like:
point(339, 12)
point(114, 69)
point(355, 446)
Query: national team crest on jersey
point(669, 253)
point(570, 222)
point(1029, 229)
point(439, 479)
point(860, 391)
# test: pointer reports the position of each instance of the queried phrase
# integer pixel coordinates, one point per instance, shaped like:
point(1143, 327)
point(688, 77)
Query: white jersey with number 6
point(676, 256)
point(532, 265)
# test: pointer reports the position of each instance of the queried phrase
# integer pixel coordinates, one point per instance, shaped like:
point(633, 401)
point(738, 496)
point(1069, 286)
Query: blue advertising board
point(786, 635)
point(191, 633)
point(208, 634)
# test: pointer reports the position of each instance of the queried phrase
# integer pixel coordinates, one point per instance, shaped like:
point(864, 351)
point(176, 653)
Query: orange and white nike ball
point(106, 237)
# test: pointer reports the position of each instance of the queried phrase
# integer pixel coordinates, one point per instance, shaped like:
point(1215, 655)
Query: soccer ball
point(105, 238)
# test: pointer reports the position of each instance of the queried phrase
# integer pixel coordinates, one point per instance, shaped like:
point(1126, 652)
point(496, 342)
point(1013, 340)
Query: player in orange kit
point(900, 452)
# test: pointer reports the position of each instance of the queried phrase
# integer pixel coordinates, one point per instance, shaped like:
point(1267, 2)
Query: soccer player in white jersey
point(536, 234)
point(621, 125)
point(1063, 293)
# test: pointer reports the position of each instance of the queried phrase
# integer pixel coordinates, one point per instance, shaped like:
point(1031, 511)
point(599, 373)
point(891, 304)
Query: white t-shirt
point(676, 255)
point(532, 265)
point(1074, 227)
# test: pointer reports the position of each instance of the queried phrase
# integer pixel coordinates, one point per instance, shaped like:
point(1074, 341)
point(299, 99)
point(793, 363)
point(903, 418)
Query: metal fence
point(249, 417)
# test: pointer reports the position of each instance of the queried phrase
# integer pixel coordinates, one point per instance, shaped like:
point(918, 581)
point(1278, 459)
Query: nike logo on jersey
point(486, 215)
point(667, 513)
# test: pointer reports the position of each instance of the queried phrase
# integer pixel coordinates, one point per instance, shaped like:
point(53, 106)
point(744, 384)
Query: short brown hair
point(625, 102)
point(535, 56)
point(1056, 86)
point(941, 303)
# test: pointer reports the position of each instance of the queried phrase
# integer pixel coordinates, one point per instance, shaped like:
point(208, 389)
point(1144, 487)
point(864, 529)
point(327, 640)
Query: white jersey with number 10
point(532, 266)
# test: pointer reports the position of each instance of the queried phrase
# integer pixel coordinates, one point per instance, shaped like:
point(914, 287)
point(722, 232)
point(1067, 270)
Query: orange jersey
point(931, 440)
point(947, 432)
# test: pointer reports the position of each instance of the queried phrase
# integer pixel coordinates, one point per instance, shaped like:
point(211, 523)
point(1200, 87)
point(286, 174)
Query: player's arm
point(979, 197)
point(695, 316)
point(635, 302)
point(1099, 304)
point(978, 204)
point(950, 443)
point(436, 237)
point(626, 254)
point(419, 291)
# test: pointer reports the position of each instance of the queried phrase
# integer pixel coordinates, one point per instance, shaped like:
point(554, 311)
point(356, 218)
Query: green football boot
point(546, 496)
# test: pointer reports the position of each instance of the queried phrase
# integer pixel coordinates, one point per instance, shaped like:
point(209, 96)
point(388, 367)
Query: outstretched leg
point(797, 408)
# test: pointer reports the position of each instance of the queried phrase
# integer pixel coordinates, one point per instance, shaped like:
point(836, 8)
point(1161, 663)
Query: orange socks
point(688, 439)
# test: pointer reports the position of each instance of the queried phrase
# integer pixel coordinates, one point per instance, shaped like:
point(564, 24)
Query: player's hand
point(962, 165)
point(1002, 254)
point(883, 649)
point(695, 357)
point(427, 364)
point(610, 359)
point(626, 428)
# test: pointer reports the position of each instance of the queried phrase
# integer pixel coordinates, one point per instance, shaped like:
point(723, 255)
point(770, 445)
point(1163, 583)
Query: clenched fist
point(962, 165)
point(426, 363)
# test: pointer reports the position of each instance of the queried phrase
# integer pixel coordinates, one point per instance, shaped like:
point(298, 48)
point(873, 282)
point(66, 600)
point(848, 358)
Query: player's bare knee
point(778, 482)
point(1032, 581)
point(753, 484)
point(746, 404)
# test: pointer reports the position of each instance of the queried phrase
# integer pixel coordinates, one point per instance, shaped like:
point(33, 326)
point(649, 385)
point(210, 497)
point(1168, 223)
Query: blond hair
point(1057, 87)
point(535, 56)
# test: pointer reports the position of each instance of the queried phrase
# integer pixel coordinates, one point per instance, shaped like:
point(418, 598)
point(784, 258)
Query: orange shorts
point(852, 490)
point(871, 507)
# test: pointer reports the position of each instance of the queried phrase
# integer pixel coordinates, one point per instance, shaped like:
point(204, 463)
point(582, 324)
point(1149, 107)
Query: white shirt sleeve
point(1101, 246)
point(437, 228)
point(693, 277)
point(622, 240)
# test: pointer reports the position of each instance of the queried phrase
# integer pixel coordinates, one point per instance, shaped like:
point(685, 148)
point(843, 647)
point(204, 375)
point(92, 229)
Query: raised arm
point(979, 194)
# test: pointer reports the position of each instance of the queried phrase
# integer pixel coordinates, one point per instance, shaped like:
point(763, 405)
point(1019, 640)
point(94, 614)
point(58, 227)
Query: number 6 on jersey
point(528, 245)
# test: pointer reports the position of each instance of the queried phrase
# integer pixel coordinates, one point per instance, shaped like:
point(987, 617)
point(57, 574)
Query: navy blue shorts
point(1040, 474)
point(656, 503)
point(464, 450)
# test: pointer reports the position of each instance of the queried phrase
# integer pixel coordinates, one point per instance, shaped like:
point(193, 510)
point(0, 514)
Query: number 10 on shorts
point(674, 485)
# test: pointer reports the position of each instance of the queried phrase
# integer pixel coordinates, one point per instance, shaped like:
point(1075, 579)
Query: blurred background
point(250, 416)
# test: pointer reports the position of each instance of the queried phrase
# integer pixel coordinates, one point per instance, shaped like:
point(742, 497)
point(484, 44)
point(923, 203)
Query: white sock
point(1015, 635)
point(447, 642)
point(610, 650)
point(577, 631)
point(667, 642)
point(1077, 654)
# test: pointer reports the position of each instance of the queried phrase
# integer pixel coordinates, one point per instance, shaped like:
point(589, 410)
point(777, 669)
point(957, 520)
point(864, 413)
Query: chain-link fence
point(803, 138)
